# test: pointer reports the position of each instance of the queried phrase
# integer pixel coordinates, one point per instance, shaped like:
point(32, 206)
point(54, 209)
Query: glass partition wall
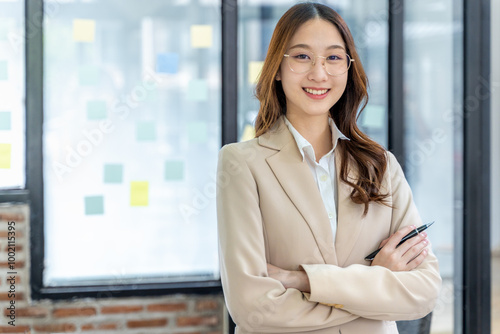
point(432, 104)
point(131, 134)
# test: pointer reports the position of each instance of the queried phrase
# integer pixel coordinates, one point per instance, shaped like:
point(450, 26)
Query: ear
point(278, 76)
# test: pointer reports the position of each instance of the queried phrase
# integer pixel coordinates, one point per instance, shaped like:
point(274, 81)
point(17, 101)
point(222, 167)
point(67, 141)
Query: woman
point(301, 205)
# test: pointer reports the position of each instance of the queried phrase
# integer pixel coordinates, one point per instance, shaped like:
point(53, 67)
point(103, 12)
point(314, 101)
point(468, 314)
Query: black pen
point(406, 237)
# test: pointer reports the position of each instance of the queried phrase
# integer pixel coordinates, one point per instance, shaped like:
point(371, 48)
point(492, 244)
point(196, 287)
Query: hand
point(289, 278)
point(406, 257)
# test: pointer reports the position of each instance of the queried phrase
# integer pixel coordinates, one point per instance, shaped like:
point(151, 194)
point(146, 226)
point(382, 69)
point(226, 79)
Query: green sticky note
point(5, 120)
point(174, 170)
point(373, 116)
point(197, 90)
point(197, 132)
point(3, 70)
point(89, 75)
point(145, 131)
point(94, 205)
point(139, 193)
point(5, 155)
point(4, 31)
point(113, 173)
point(96, 110)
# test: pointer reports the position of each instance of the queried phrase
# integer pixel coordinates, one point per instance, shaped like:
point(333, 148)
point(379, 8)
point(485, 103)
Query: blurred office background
point(111, 117)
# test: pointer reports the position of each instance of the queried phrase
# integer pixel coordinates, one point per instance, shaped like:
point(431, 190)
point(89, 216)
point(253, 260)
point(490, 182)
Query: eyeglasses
point(335, 64)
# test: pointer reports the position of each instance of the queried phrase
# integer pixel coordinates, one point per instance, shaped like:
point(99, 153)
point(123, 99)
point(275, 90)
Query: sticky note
point(254, 69)
point(94, 205)
point(96, 110)
point(3, 70)
point(5, 120)
point(4, 31)
point(139, 193)
point(197, 132)
point(5, 154)
point(201, 36)
point(197, 90)
point(89, 75)
point(83, 30)
point(167, 63)
point(145, 131)
point(248, 133)
point(174, 170)
point(374, 116)
point(113, 173)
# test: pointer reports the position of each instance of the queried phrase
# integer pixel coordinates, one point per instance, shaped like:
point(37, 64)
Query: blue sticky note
point(5, 123)
point(197, 90)
point(167, 63)
point(145, 131)
point(88, 75)
point(94, 205)
point(3, 70)
point(113, 173)
point(96, 110)
point(197, 132)
point(174, 170)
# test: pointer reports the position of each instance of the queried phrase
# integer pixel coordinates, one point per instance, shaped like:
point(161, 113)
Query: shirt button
point(323, 178)
point(330, 215)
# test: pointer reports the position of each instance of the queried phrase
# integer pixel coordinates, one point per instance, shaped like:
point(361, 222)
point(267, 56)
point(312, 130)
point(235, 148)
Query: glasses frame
point(323, 64)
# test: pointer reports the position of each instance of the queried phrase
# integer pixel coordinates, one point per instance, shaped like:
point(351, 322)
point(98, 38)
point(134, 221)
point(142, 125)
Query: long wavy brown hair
point(360, 152)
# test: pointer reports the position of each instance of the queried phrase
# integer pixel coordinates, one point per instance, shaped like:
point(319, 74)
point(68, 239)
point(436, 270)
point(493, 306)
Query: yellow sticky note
point(201, 36)
point(83, 30)
point(254, 69)
point(5, 154)
point(248, 133)
point(139, 193)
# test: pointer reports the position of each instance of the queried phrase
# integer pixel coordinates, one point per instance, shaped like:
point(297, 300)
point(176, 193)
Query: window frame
point(34, 165)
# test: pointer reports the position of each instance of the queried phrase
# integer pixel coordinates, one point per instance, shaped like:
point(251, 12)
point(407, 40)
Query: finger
point(417, 260)
point(415, 250)
point(396, 237)
point(382, 244)
point(410, 243)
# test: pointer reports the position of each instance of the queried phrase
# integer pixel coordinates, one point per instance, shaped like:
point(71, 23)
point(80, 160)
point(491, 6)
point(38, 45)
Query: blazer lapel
point(350, 218)
point(296, 179)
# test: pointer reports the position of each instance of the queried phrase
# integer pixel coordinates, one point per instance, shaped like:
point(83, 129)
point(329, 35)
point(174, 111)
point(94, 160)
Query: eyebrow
point(305, 46)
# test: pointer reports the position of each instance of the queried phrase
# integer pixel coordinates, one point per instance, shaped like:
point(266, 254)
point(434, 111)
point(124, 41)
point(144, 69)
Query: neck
point(316, 130)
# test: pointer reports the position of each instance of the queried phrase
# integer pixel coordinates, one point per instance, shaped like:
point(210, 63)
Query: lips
point(316, 91)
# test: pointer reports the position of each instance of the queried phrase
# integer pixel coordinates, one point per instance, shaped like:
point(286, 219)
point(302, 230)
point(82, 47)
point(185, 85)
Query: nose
point(318, 71)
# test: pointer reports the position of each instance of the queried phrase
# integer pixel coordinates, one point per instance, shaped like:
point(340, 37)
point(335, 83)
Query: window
point(131, 133)
point(12, 107)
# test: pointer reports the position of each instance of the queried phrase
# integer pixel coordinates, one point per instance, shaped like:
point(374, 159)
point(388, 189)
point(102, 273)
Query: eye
point(301, 56)
point(334, 58)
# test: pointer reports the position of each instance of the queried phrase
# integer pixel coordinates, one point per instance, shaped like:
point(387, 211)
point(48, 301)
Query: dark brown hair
point(360, 152)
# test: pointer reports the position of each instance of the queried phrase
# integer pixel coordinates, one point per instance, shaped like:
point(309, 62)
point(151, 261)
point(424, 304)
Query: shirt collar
point(305, 147)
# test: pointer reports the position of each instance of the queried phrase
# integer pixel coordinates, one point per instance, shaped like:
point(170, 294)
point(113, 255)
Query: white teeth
point(316, 92)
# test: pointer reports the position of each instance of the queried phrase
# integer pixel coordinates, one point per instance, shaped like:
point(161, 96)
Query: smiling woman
point(314, 195)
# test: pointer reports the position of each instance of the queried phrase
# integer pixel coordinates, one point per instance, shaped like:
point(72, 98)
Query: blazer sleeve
point(256, 302)
point(376, 292)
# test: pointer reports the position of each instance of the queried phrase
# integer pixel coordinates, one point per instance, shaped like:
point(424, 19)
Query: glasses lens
point(337, 63)
point(300, 61)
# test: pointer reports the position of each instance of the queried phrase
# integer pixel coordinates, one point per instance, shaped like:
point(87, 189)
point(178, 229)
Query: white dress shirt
point(323, 171)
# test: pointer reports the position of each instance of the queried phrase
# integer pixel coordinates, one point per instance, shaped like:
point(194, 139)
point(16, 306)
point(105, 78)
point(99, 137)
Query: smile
point(316, 92)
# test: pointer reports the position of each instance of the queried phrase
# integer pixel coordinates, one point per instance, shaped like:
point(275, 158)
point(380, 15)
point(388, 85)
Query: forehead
point(317, 34)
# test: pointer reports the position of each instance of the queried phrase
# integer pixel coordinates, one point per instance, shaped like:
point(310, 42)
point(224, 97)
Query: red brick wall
point(177, 314)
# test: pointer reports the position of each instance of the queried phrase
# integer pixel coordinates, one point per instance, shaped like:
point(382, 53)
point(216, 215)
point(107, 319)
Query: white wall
point(495, 125)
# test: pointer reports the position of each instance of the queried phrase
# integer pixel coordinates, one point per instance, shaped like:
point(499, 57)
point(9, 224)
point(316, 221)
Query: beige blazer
point(270, 210)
